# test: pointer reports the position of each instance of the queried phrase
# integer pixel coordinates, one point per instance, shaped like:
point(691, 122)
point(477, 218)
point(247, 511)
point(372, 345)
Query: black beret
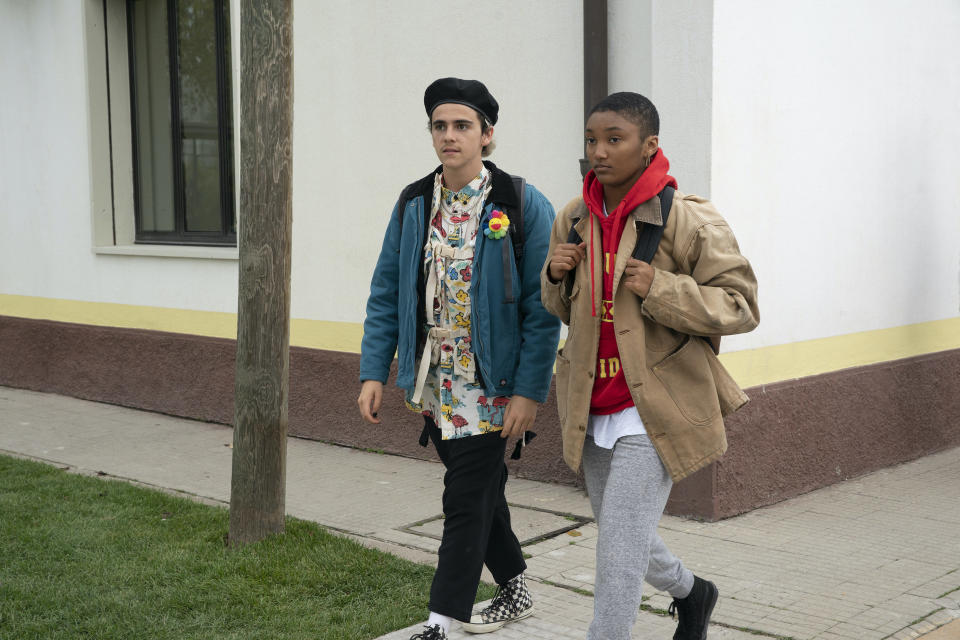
point(472, 93)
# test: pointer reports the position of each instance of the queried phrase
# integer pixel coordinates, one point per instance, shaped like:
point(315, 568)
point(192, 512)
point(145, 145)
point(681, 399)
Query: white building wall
point(360, 129)
point(46, 246)
point(663, 49)
point(44, 146)
point(836, 150)
point(360, 135)
point(825, 132)
point(682, 74)
point(630, 46)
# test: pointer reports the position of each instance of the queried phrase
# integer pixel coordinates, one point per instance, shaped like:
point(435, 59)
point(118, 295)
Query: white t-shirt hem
point(607, 429)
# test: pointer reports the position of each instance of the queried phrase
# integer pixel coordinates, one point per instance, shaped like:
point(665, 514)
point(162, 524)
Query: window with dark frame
point(181, 101)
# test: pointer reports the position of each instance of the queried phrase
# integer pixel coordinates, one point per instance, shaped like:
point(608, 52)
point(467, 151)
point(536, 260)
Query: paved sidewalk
point(950, 631)
point(868, 559)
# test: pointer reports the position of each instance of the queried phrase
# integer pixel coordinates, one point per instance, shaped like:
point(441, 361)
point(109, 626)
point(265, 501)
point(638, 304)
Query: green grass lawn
point(82, 557)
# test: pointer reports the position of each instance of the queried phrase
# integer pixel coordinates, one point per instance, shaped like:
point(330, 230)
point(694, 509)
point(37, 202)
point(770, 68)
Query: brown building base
point(793, 437)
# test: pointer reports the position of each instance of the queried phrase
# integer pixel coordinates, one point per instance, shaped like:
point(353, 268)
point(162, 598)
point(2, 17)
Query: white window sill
point(170, 251)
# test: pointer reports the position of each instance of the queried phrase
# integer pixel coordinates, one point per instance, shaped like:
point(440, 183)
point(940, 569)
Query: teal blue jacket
point(514, 338)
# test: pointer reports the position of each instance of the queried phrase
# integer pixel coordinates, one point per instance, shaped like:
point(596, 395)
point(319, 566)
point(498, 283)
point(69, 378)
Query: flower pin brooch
point(497, 225)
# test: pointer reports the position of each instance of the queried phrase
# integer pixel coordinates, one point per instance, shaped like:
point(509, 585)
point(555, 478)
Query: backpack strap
point(572, 238)
point(405, 196)
point(516, 225)
point(410, 192)
point(516, 239)
point(648, 235)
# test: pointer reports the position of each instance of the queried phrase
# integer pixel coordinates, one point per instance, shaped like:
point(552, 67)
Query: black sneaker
point(694, 610)
point(511, 602)
point(435, 632)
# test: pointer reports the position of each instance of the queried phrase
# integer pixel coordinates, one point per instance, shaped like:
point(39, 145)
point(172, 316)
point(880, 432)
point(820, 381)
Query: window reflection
point(183, 127)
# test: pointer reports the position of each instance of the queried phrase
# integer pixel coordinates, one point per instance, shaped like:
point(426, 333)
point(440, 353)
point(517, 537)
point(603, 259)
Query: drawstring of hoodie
point(593, 298)
point(609, 245)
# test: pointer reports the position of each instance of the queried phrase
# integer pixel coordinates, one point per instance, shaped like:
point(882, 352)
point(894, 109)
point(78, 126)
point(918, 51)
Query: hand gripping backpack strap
point(648, 235)
point(572, 238)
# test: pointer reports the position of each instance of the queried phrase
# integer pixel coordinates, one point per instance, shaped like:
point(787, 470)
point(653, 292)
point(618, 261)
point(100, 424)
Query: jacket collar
point(501, 190)
point(648, 212)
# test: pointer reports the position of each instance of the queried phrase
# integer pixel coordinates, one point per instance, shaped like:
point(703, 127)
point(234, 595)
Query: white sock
point(443, 621)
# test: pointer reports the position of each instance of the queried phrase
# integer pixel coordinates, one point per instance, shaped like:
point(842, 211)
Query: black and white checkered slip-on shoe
point(512, 602)
point(430, 633)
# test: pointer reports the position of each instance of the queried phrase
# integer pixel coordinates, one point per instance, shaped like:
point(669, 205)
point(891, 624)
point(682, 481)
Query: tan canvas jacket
point(702, 286)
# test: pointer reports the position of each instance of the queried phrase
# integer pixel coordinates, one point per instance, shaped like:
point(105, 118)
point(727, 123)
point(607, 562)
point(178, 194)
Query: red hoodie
point(610, 391)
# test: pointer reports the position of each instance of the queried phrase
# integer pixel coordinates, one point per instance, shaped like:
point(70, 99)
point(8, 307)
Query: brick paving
point(868, 559)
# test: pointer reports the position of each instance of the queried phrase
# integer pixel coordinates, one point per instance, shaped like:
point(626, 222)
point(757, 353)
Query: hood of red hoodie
point(650, 183)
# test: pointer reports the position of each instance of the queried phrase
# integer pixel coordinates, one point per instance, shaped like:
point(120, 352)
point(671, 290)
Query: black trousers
point(476, 527)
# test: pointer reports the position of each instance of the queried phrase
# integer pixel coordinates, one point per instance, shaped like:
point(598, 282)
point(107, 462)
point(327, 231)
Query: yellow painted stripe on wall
point(766, 365)
point(128, 316)
point(750, 368)
point(322, 334)
point(315, 334)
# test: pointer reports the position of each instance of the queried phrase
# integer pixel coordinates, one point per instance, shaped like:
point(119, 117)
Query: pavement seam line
point(663, 613)
point(918, 621)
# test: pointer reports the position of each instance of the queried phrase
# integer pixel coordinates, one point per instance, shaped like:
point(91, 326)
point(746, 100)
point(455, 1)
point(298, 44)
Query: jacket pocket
point(729, 393)
point(687, 377)
point(563, 382)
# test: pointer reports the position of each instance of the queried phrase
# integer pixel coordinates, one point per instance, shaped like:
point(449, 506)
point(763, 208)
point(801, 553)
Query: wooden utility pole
point(257, 493)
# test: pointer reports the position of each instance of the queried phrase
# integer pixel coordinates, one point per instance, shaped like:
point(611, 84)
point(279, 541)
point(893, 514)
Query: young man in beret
point(456, 294)
point(640, 390)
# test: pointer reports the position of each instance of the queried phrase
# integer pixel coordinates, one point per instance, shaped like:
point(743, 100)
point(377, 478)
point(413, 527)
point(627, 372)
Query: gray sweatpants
point(628, 487)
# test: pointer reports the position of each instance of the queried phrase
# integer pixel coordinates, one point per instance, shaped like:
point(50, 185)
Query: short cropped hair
point(635, 108)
